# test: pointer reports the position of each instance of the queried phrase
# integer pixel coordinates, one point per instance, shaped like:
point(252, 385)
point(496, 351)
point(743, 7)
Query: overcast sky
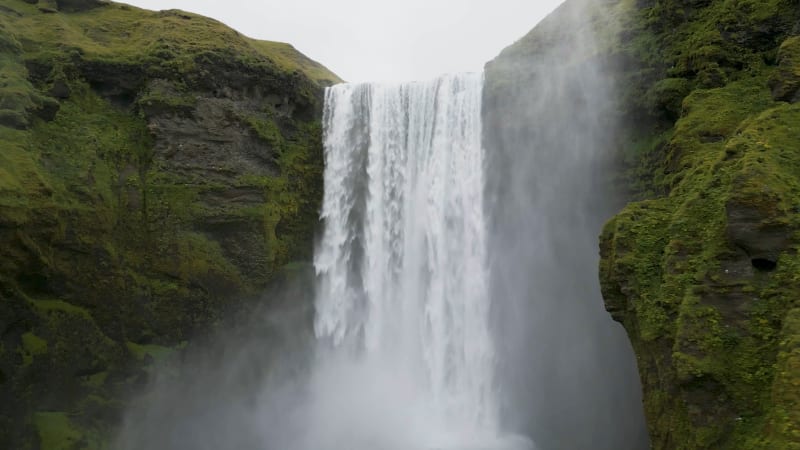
point(378, 40)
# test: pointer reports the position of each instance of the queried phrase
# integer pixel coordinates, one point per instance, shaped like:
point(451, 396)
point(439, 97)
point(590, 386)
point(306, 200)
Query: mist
point(455, 301)
point(567, 371)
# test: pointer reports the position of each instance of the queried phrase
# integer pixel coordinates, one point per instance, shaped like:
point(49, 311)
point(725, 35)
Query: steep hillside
point(703, 272)
point(702, 269)
point(157, 169)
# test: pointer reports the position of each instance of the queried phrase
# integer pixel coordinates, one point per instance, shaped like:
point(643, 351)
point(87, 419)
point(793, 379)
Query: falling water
point(402, 263)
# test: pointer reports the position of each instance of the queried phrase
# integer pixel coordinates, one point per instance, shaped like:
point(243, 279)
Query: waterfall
point(403, 282)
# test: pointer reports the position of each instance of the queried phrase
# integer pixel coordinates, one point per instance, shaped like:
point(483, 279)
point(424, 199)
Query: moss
point(667, 95)
point(47, 307)
point(32, 346)
point(289, 59)
point(163, 96)
point(56, 431)
point(169, 41)
point(154, 353)
point(677, 284)
point(785, 83)
point(198, 256)
point(670, 263)
point(266, 130)
point(108, 242)
point(97, 380)
point(718, 166)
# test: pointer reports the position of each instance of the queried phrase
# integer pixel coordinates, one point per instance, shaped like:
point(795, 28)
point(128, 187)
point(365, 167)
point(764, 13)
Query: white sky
point(378, 40)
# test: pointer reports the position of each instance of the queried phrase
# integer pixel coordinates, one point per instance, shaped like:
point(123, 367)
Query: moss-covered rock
point(702, 269)
point(157, 170)
point(785, 82)
point(703, 273)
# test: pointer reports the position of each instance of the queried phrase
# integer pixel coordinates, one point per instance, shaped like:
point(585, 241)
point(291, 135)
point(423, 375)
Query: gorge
point(210, 242)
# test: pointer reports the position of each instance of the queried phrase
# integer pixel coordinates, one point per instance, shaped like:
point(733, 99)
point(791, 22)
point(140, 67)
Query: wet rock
point(60, 89)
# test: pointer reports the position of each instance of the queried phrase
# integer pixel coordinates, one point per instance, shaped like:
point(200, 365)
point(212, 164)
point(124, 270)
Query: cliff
point(157, 171)
point(703, 271)
point(701, 267)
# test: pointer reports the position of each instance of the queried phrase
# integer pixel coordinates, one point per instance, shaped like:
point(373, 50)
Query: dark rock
point(47, 109)
point(13, 119)
point(60, 89)
point(750, 229)
point(79, 5)
point(119, 82)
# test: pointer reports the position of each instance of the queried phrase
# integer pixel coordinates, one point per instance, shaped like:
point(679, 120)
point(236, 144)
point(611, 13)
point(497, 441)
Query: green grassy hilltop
point(157, 169)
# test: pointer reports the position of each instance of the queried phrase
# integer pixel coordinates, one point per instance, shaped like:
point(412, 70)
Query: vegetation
point(702, 267)
point(117, 247)
point(703, 271)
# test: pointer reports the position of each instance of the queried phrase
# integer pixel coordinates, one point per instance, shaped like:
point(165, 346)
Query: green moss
point(163, 96)
point(725, 149)
point(108, 239)
point(785, 82)
point(266, 130)
point(667, 95)
point(156, 353)
point(169, 40)
point(33, 345)
point(706, 325)
point(288, 58)
point(56, 431)
point(97, 380)
point(47, 307)
point(198, 256)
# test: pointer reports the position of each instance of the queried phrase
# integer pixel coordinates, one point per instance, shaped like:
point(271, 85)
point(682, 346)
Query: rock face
point(702, 270)
point(701, 266)
point(157, 171)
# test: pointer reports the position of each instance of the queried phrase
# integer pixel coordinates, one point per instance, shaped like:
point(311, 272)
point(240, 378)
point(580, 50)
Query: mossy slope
point(703, 274)
point(157, 169)
point(702, 268)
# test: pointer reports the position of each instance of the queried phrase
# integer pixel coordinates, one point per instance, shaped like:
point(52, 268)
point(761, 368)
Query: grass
point(130, 35)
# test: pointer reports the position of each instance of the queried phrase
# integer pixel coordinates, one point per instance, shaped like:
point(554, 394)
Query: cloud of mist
point(567, 370)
